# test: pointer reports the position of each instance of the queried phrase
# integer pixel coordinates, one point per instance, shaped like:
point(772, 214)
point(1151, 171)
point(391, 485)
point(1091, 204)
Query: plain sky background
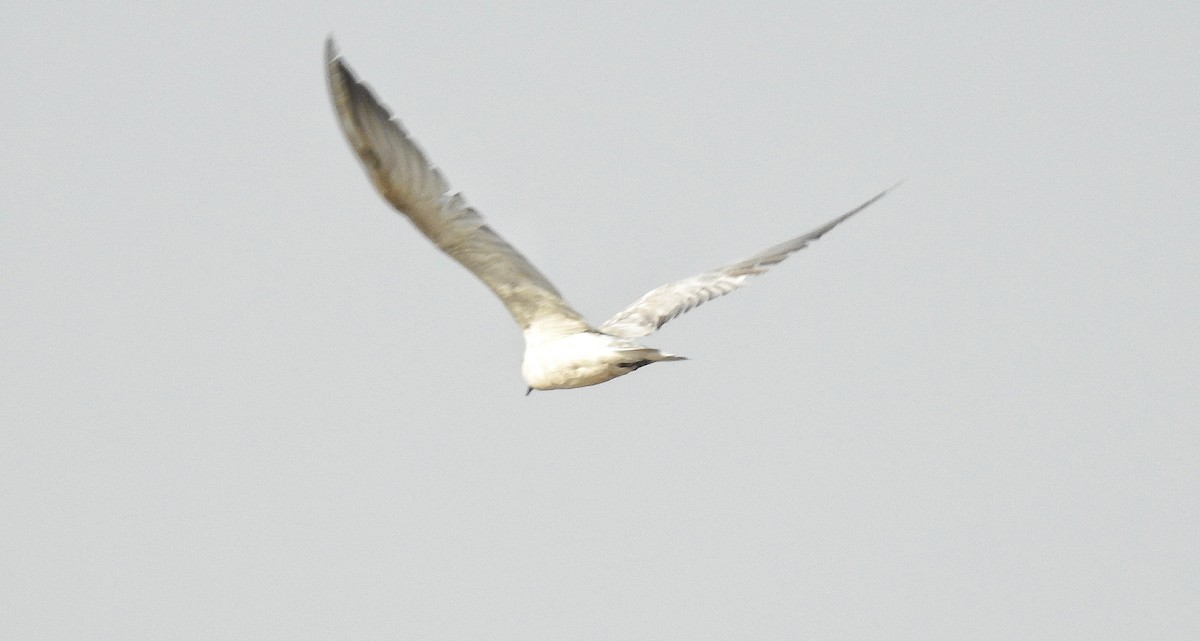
point(243, 399)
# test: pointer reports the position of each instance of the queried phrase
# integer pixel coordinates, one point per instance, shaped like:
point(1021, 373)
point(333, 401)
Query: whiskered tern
point(561, 349)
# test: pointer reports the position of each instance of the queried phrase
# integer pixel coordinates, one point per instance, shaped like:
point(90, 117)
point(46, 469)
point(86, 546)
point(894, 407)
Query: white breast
point(574, 360)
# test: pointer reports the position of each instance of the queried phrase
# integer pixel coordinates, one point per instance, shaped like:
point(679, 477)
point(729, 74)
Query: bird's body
point(561, 349)
point(562, 360)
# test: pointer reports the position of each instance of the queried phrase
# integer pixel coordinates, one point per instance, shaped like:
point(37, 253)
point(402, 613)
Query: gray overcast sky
point(243, 399)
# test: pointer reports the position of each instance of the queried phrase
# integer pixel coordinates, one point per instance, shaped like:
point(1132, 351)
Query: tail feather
point(642, 353)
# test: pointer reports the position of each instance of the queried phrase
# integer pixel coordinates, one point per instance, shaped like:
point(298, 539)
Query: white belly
point(582, 359)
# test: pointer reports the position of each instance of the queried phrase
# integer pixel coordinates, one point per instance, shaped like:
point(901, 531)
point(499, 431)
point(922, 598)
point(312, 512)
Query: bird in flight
point(562, 350)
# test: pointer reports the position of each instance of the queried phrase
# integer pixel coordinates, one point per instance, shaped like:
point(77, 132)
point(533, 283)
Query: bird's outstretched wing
point(660, 305)
point(406, 178)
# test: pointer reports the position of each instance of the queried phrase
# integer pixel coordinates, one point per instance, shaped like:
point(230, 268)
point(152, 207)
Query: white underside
point(557, 361)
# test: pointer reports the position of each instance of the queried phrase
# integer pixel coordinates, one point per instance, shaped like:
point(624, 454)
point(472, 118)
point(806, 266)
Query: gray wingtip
point(331, 49)
point(874, 199)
